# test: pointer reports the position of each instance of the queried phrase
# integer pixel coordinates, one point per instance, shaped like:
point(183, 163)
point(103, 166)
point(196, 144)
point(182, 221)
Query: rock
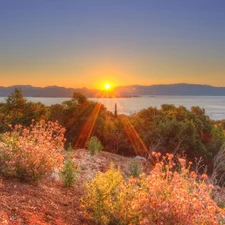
point(140, 158)
point(55, 175)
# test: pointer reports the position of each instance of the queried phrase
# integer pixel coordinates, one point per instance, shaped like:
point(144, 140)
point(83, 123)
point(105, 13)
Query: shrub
point(170, 194)
point(101, 197)
point(30, 153)
point(69, 171)
point(135, 168)
point(175, 196)
point(94, 145)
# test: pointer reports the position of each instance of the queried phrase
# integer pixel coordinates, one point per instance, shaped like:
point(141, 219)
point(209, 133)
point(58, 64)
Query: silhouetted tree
point(115, 113)
point(79, 98)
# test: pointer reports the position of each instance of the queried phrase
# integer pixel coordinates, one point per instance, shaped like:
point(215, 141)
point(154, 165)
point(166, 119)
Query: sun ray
point(134, 138)
point(87, 128)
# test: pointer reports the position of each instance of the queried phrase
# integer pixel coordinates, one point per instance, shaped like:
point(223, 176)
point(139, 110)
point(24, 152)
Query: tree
point(115, 113)
point(177, 129)
point(14, 109)
point(16, 98)
point(79, 98)
point(17, 110)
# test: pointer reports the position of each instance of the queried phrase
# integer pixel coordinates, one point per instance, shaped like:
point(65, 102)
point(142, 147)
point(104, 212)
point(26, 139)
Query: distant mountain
point(172, 89)
point(121, 91)
point(50, 91)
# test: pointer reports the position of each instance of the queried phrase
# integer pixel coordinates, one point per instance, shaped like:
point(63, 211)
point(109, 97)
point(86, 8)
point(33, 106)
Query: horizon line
point(18, 85)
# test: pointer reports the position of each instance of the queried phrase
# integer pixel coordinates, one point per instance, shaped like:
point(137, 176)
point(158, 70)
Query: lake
point(214, 105)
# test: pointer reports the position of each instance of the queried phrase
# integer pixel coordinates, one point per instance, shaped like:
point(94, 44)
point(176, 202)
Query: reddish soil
point(49, 202)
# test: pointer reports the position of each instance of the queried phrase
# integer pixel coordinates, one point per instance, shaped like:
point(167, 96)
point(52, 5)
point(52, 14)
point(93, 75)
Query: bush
point(94, 145)
point(135, 168)
point(175, 196)
point(101, 198)
point(31, 153)
point(171, 194)
point(69, 171)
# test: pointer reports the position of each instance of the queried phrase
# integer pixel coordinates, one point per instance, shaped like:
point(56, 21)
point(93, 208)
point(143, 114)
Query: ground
point(49, 202)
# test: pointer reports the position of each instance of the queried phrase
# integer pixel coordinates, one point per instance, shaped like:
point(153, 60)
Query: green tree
point(69, 171)
point(14, 109)
point(17, 110)
point(177, 129)
point(94, 145)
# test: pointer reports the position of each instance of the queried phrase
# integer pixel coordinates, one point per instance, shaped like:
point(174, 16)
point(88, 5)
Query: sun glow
point(107, 86)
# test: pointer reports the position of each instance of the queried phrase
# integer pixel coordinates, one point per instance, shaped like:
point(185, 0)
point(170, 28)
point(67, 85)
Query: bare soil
point(49, 202)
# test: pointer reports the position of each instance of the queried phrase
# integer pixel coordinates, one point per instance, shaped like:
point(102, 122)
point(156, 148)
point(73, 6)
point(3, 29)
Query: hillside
point(49, 202)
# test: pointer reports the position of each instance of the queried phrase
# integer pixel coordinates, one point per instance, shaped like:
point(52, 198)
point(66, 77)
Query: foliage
point(30, 153)
point(115, 111)
point(56, 113)
point(170, 129)
point(114, 137)
point(135, 168)
point(17, 110)
point(16, 98)
point(94, 145)
point(82, 121)
point(170, 194)
point(79, 98)
point(176, 129)
point(101, 197)
point(69, 171)
point(218, 138)
point(218, 174)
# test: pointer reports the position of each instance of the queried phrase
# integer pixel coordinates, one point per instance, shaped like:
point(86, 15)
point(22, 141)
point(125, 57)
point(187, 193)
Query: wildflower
point(182, 161)
point(204, 177)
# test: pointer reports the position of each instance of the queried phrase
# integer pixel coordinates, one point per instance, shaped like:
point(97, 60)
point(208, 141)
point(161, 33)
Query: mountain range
point(120, 91)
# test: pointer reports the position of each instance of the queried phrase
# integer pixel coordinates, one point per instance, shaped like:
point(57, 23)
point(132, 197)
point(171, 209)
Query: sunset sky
point(87, 43)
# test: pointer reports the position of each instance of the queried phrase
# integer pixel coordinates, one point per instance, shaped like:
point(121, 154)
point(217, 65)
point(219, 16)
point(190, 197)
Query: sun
point(107, 86)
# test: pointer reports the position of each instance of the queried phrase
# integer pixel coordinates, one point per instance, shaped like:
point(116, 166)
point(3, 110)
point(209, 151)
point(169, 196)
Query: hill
point(50, 91)
point(172, 89)
point(49, 202)
point(120, 91)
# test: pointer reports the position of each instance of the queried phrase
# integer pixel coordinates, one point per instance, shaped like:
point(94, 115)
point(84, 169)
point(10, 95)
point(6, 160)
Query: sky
point(87, 43)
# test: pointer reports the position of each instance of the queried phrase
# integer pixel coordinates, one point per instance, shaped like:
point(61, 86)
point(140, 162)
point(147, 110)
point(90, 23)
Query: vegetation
point(135, 168)
point(94, 145)
point(69, 171)
point(102, 194)
point(167, 130)
point(30, 153)
point(171, 194)
point(17, 110)
point(31, 149)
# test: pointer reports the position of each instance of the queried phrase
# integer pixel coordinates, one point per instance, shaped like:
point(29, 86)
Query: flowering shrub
point(30, 153)
point(171, 194)
point(102, 192)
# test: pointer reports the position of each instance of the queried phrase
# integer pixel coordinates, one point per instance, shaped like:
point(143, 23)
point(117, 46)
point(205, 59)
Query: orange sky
point(94, 74)
point(89, 43)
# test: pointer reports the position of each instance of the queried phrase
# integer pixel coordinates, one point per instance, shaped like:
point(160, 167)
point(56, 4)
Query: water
point(214, 105)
